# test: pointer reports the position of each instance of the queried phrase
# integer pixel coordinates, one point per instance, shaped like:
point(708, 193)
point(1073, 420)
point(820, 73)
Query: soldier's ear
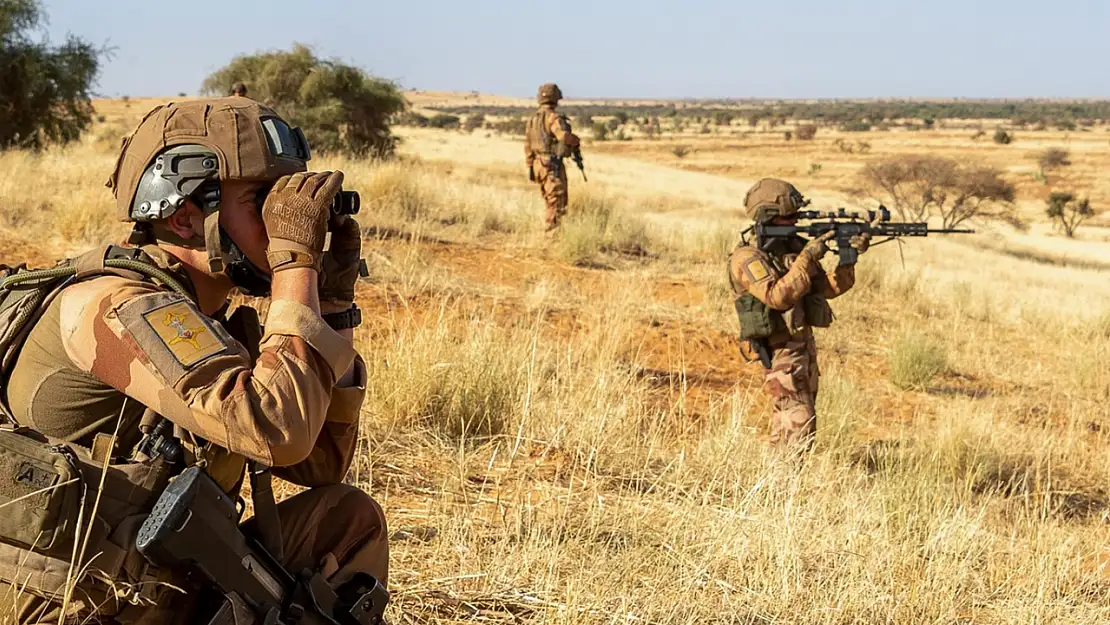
point(187, 222)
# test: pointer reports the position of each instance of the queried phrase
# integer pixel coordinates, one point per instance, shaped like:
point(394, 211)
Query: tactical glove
point(816, 248)
point(341, 263)
point(531, 174)
point(295, 214)
point(861, 242)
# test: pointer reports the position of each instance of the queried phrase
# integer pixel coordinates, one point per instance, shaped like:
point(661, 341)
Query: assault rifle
point(195, 525)
point(576, 156)
point(847, 225)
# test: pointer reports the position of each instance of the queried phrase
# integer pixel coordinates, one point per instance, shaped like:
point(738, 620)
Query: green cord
point(46, 275)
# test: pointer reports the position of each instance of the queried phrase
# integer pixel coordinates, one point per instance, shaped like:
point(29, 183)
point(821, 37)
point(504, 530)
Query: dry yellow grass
point(559, 443)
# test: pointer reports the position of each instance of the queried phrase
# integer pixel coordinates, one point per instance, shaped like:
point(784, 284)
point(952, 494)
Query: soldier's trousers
point(338, 525)
point(553, 186)
point(792, 384)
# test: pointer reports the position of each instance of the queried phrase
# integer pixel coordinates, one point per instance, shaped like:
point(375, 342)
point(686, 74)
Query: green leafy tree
point(340, 108)
point(44, 90)
point(1068, 212)
point(600, 131)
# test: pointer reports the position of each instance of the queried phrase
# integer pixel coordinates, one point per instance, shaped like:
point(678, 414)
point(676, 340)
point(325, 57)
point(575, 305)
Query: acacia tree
point(44, 90)
point(924, 186)
point(1067, 212)
point(340, 108)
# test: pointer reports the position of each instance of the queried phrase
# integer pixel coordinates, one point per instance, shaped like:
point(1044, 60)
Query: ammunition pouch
point(54, 508)
point(818, 313)
point(40, 494)
point(757, 320)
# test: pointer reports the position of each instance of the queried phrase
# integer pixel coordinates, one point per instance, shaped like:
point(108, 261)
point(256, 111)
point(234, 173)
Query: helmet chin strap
point(216, 257)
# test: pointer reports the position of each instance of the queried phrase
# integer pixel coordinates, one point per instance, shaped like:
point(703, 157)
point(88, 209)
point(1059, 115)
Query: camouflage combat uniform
point(109, 352)
point(547, 141)
point(794, 288)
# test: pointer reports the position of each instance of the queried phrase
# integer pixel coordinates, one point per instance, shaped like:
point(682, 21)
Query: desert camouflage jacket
point(782, 277)
point(111, 348)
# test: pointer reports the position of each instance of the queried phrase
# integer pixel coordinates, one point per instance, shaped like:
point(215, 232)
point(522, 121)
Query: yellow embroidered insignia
point(757, 270)
point(186, 335)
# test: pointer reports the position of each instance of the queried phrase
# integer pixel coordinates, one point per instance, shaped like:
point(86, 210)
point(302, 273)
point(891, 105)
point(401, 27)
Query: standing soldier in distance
point(547, 141)
point(220, 198)
point(781, 293)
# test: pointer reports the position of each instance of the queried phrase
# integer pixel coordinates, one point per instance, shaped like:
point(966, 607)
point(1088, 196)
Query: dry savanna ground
point(561, 430)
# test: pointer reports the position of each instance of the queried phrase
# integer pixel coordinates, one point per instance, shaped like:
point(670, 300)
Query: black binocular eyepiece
point(345, 203)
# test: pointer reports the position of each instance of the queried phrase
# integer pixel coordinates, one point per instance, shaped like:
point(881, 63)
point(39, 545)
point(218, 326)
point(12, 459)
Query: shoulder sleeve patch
point(757, 270)
point(185, 333)
point(170, 332)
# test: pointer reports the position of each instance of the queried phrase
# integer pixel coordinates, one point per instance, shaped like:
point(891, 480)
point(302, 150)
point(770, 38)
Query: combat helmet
point(770, 198)
point(549, 93)
point(239, 88)
point(183, 150)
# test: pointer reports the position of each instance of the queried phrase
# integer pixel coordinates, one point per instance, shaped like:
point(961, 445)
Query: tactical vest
point(543, 142)
point(63, 502)
point(759, 321)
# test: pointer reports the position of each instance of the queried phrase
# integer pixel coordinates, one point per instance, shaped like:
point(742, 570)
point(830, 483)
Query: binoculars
point(345, 203)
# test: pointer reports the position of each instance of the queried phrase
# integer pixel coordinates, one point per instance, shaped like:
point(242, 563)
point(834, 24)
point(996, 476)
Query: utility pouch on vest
point(40, 493)
point(818, 313)
point(757, 320)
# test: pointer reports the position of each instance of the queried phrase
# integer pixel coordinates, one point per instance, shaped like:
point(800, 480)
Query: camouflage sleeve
point(331, 458)
point(838, 281)
point(558, 125)
point(157, 348)
point(751, 271)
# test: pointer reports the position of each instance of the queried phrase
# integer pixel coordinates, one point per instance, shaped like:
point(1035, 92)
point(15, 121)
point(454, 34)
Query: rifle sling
point(265, 510)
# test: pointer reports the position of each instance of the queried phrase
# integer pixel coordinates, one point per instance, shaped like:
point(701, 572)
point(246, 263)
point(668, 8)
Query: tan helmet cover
point(549, 93)
point(231, 127)
point(772, 197)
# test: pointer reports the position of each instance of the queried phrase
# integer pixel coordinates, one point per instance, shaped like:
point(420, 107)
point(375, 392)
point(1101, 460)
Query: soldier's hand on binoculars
point(295, 214)
point(341, 263)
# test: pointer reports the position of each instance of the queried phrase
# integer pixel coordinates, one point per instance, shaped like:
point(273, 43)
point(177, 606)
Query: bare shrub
point(1053, 158)
point(920, 186)
point(806, 132)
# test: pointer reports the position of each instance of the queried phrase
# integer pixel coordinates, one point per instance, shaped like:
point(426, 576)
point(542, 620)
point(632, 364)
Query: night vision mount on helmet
point(184, 150)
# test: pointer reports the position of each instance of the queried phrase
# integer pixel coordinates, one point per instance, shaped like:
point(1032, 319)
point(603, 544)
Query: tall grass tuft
point(915, 359)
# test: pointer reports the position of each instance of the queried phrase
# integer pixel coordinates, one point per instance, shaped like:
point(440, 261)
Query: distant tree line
point(851, 114)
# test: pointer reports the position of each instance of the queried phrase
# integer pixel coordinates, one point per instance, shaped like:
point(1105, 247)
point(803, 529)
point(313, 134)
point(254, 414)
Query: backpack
point(61, 499)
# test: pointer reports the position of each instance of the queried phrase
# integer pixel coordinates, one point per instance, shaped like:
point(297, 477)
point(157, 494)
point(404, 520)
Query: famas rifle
point(847, 225)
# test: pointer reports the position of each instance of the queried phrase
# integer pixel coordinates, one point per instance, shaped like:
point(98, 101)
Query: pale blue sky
point(646, 48)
